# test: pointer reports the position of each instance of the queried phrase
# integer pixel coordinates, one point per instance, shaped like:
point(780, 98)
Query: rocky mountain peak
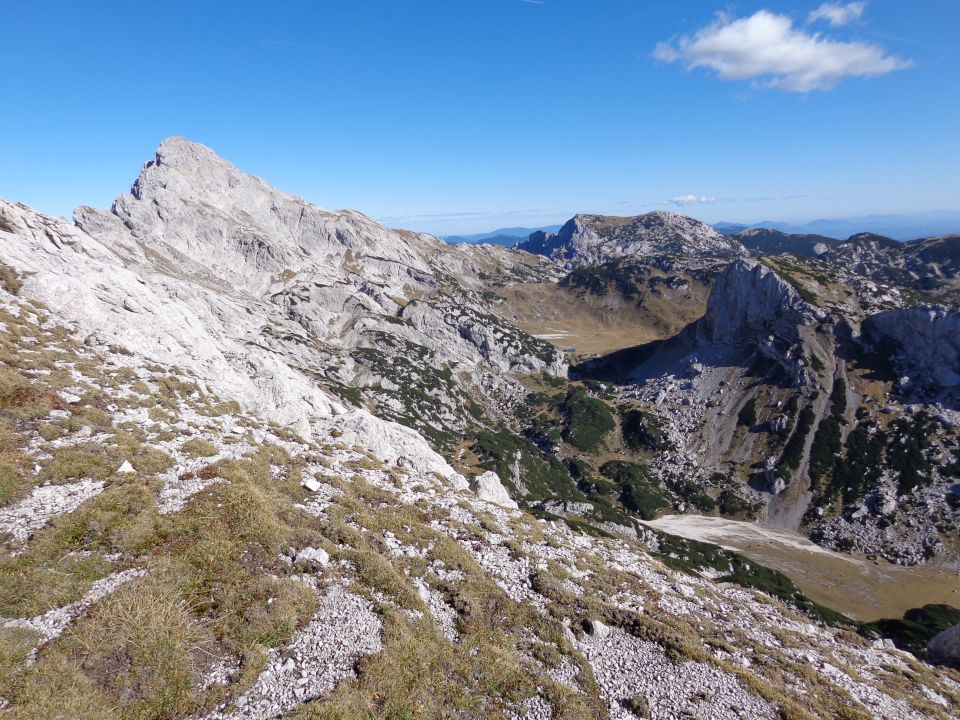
point(202, 213)
point(192, 161)
point(594, 239)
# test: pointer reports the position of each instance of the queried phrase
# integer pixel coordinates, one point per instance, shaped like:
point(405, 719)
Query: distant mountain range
point(502, 236)
point(898, 227)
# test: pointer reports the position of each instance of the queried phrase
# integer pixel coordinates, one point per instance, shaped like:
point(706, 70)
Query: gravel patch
point(344, 629)
point(626, 667)
point(33, 512)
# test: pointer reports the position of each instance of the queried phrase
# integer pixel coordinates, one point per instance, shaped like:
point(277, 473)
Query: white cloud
point(838, 15)
point(692, 199)
point(769, 50)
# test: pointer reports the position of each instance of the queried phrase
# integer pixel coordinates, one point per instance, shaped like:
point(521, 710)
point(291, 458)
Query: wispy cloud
point(682, 200)
point(837, 14)
point(767, 49)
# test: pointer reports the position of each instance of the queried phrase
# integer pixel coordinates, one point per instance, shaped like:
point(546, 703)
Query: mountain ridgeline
point(260, 459)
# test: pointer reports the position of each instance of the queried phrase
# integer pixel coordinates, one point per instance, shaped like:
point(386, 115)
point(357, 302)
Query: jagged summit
point(202, 263)
point(301, 396)
point(190, 204)
point(593, 239)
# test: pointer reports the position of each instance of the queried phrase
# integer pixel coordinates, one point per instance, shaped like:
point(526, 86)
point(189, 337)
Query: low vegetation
point(588, 419)
point(638, 492)
point(643, 430)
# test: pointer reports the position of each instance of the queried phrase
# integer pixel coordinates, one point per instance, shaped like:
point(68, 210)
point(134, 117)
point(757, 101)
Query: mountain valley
point(260, 459)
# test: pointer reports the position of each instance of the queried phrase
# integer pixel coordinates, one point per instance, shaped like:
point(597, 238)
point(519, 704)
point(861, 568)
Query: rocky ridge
point(261, 505)
point(595, 239)
point(322, 573)
point(928, 265)
point(767, 241)
point(205, 261)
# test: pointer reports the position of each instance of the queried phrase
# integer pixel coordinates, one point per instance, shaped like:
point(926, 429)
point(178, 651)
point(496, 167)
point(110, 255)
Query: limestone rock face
point(271, 299)
point(945, 646)
point(489, 488)
point(751, 306)
point(923, 344)
point(749, 300)
point(594, 239)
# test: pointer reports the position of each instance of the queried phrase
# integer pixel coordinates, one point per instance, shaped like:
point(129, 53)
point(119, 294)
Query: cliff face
point(925, 345)
point(201, 264)
point(749, 300)
point(594, 239)
point(752, 307)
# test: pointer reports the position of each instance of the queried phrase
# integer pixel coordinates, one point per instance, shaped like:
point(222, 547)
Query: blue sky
point(465, 115)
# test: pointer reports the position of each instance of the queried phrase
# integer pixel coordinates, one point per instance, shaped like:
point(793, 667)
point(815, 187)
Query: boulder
point(311, 484)
point(313, 558)
point(596, 629)
point(945, 646)
point(488, 487)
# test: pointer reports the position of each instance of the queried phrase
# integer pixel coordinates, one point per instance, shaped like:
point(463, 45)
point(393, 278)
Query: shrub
point(861, 466)
point(637, 492)
point(906, 453)
point(641, 430)
point(732, 505)
point(826, 444)
point(747, 417)
point(542, 474)
point(587, 419)
point(694, 494)
point(913, 632)
point(793, 450)
point(638, 705)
